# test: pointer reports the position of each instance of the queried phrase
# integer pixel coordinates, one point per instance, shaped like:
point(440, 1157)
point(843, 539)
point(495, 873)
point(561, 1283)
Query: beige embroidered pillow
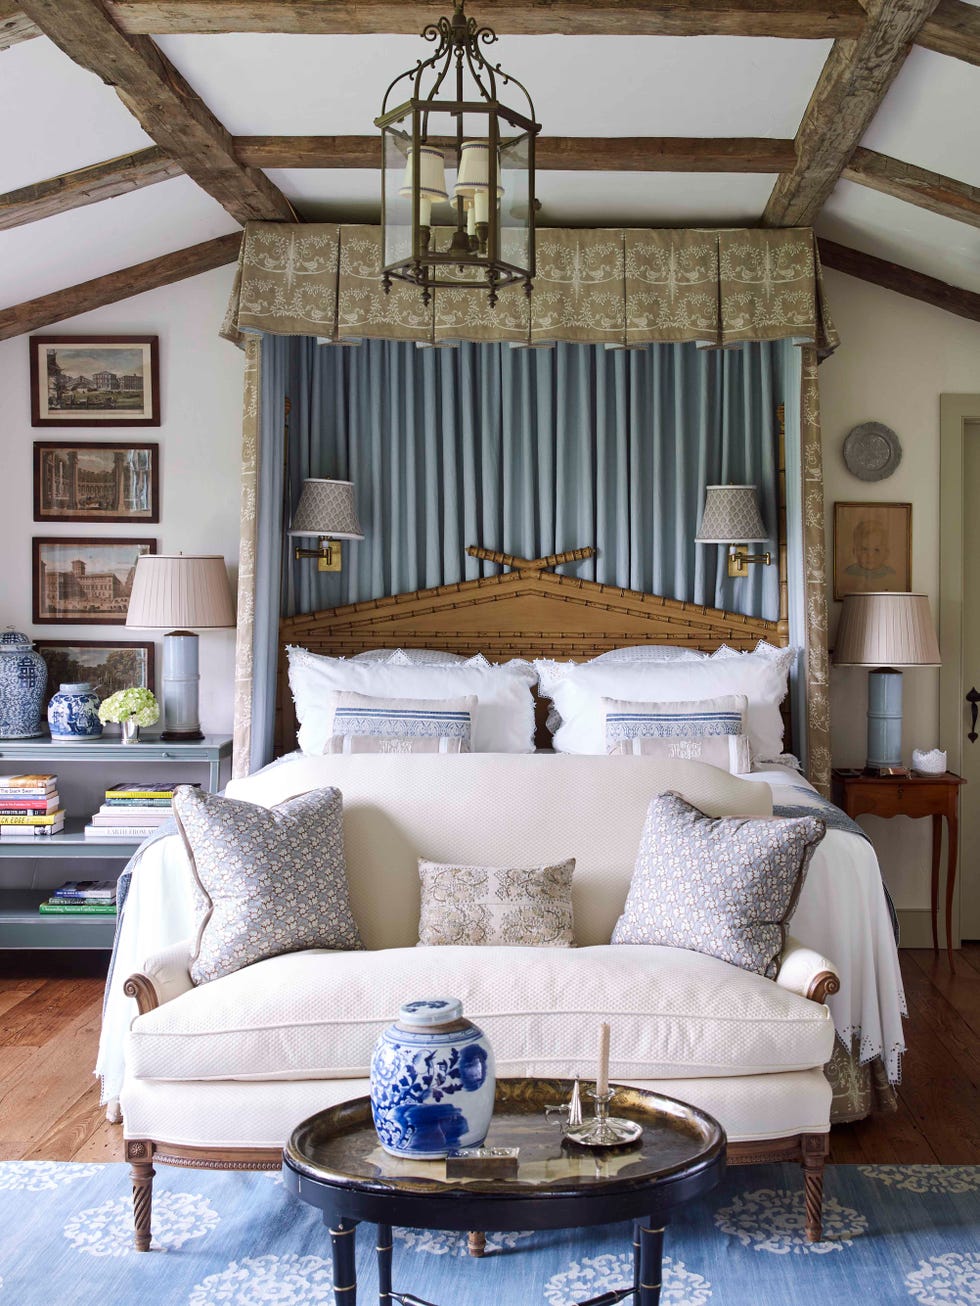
point(362, 724)
point(517, 906)
point(728, 752)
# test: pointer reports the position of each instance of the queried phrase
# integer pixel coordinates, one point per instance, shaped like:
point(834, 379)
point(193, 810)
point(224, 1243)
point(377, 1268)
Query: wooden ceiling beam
point(73, 190)
point(15, 26)
point(552, 153)
point(167, 108)
point(155, 272)
point(904, 181)
point(802, 19)
point(904, 281)
point(953, 29)
point(849, 91)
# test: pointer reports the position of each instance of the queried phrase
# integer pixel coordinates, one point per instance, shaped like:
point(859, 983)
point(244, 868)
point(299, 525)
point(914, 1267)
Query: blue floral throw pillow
point(273, 879)
point(722, 886)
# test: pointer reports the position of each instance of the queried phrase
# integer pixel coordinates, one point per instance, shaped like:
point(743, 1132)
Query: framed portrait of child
point(872, 548)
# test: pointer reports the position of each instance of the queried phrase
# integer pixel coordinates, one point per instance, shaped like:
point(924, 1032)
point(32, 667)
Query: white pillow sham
point(504, 720)
point(409, 656)
point(652, 653)
point(577, 691)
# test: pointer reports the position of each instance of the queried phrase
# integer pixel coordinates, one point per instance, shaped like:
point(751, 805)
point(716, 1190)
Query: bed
point(529, 611)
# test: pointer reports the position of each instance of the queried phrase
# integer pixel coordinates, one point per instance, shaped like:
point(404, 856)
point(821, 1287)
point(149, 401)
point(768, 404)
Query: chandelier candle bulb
point(602, 1079)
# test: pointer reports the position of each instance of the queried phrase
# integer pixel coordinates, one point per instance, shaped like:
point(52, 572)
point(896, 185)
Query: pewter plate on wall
point(872, 451)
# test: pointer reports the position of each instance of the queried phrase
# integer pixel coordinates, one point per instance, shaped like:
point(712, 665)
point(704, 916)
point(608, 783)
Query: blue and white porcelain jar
point(73, 713)
point(23, 676)
point(432, 1081)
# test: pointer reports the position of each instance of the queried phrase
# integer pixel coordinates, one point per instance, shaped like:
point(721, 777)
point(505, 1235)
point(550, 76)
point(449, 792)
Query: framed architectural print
point(106, 666)
point(84, 582)
point(96, 482)
point(95, 381)
point(872, 548)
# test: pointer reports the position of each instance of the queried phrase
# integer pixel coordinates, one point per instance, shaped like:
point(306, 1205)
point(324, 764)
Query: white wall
point(200, 436)
point(896, 358)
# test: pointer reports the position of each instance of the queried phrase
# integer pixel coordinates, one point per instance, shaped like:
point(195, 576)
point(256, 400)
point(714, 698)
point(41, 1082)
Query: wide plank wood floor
point(49, 1100)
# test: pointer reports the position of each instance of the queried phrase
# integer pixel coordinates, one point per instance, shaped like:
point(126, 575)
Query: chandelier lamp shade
point(457, 198)
point(886, 631)
point(326, 509)
point(731, 516)
point(180, 593)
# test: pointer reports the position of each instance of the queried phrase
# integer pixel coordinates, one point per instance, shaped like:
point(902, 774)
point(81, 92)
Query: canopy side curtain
point(526, 451)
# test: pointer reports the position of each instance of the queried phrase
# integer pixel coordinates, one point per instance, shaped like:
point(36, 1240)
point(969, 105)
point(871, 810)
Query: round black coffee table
point(335, 1162)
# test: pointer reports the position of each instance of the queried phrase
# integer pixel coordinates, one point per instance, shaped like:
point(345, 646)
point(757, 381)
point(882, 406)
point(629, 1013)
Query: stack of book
point(29, 807)
point(82, 898)
point(132, 811)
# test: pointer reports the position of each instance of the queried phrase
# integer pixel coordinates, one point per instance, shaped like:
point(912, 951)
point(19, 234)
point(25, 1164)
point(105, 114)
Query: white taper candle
point(602, 1079)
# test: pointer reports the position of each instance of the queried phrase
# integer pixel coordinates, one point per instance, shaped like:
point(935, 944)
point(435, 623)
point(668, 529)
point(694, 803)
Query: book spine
point(30, 831)
point(119, 831)
point(28, 795)
point(26, 809)
point(96, 900)
point(74, 909)
point(142, 795)
point(21, 819)
point(121, 804)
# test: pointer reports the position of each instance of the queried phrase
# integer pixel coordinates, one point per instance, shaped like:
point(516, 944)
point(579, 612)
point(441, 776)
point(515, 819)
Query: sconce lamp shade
point(886, 630)
point(327, 509)
point(180, 592)
point(731, 516)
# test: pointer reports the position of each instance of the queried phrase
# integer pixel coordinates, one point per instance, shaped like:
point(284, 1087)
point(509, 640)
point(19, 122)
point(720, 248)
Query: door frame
point(955, 410)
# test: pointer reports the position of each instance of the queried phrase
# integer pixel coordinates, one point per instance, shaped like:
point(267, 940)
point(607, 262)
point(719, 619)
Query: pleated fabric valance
point(619, 287)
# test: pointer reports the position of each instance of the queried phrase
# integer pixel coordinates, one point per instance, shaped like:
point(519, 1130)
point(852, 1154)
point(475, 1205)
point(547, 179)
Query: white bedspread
point(842, 913)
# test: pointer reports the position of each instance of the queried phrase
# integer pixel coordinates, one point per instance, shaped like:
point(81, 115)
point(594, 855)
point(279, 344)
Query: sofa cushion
point(520, 906)
point(316, 1015)
point(722, 886)
point(272, 880)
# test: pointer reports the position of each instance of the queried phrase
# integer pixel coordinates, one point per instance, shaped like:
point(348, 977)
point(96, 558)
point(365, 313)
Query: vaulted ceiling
point(139, 135)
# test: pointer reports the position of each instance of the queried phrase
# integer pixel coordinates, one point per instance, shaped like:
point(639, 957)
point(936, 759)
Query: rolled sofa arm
point(165, 976)
point(804, 971)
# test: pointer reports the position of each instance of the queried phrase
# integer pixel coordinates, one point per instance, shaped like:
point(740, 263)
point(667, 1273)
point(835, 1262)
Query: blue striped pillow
point(362, 724)
point(696, 719)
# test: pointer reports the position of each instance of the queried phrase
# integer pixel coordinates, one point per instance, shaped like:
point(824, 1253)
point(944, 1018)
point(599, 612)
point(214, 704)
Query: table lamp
point(886, 631)
point(174, 592)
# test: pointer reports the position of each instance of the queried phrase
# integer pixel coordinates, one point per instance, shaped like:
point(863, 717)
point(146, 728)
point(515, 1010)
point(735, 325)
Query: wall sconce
point(326, 509)
point(731, 514)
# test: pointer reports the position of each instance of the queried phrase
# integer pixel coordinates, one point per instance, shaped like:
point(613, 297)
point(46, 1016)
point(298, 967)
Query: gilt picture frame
point(872, 548)
point(96, 482)
point(84, 582)
point(95, 380)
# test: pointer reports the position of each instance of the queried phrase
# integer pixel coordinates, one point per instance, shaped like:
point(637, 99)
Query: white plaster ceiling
point(64, 118)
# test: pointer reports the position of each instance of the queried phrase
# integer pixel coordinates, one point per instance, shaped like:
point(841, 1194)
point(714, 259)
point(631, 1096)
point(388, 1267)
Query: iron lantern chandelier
point(457, 199)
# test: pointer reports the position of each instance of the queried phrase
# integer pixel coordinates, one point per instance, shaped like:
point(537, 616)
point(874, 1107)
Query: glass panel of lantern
point(396, 201)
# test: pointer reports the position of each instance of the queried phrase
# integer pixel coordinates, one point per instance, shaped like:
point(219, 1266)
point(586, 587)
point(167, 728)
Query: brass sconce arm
point(328, 554)
point(738, 560)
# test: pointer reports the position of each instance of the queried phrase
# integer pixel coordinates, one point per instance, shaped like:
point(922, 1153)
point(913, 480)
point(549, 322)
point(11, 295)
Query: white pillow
point(504, 720)
point(652, 653)
point(577, 691)
point(409, 656)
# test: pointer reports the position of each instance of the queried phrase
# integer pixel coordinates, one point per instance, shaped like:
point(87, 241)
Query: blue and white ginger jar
point(23, 676)
point(432, 1081)
point(73, 713)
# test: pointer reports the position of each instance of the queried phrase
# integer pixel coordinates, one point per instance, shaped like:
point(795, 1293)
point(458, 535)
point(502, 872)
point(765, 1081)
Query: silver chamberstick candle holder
point(604, 1130)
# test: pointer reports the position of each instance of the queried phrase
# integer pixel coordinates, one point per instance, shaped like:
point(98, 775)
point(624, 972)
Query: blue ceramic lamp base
point(884, 718)
point(180, 686)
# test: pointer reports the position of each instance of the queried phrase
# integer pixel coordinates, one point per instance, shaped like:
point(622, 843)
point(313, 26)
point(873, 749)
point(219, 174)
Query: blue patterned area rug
point(894, 1234)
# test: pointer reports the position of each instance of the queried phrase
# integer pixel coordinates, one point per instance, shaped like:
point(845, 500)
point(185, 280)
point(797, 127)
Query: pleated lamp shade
point(886, 630)
point(327, 508)
point(180, 591)
point(731, 516)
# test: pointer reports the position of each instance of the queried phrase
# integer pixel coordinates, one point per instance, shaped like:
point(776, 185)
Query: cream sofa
point(220, 1074)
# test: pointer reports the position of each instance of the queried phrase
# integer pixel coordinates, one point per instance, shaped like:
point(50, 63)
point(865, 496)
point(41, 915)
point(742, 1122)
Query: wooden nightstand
point(916, 795)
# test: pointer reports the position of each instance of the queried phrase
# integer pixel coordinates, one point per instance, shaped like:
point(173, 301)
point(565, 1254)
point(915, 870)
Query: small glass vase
point(130, 731)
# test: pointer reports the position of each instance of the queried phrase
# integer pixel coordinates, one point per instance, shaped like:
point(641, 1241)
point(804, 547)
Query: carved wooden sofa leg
point(814, 1148)
point(477, 1243)
point(139, 1154)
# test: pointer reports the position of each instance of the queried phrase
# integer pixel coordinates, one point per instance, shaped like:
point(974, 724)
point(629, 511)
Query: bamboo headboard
point(527, 612)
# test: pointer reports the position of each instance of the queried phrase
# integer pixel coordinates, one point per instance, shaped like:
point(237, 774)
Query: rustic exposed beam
point(954, 28)
point(787, 18)
point(72, 190)
point(904, 181)
point(110, 289)
point(552, 153)
point(15, 26)
point(904, 281)
point(851, 86)
point(165, 105)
